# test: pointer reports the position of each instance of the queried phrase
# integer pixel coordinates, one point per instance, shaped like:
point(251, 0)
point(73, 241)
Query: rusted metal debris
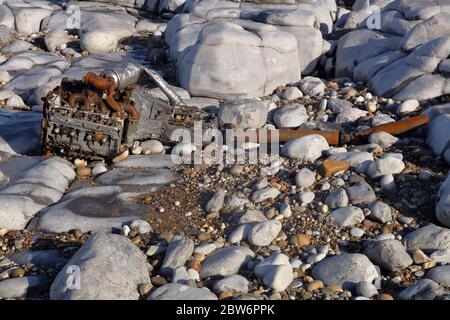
point(94, 117)
point(338, 137)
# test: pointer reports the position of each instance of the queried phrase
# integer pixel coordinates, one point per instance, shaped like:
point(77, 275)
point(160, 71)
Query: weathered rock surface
point(110, 266)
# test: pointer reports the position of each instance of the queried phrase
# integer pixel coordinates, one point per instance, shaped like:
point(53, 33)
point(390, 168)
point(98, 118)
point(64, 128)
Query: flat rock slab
point(154, 161)
point(126, 176)
point(92, 209)
point(19, 132)
point(32, 190)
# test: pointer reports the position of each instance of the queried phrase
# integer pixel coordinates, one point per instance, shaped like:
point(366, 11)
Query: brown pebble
point(419, 257)
point(308, 279)
point(136, 240)
point(314, 285)
point(299, 240)
point(330, 167)
point(385, 296)
point(335, 288)
point(158, 281)
point(83, 172)
point(144, 289)
point(429, 264)
point(225, 295)
point(166, 235)
point(77, 233)
point(194, 264)
point(212, 215)
point(199, 256)
point(204, 236)
point(19, 272)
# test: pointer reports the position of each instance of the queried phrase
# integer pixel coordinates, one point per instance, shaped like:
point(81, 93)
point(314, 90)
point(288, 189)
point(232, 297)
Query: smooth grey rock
point(241, 232)
point(441, 256)
point(361, 193)
point(264, 194)
point(345, 270)
point(384, 139)
point(387, 183)
point(339, 105)
point(350, 115)
point(437, 136)
point(440, 275)
point(226, 261)
point(279, 277)
point(312, 86)
point(424, 289)
point(443, 203)
point(349, 216)
point(243, 113)
point(28, 20)
point(141, 226)
point(19, 288)
point(305, 178)
point(111, 267)
point(389, 254)
point(306, 148)
point(258, 45)
point(263, 233)
point(233, 283)
point(407, 106)
point(380, 212)
point(177, 291)
point(216, 202)
point(275, 271)
point(252, 215)
point(290, 117)
point(180, 275)
point(292, 93)
point(337, 199)
point(306, 197)
point(7, 17)
point(428, 238)
point(366, 289)
point(177, 253)
point(7, 35)
point(55, 38)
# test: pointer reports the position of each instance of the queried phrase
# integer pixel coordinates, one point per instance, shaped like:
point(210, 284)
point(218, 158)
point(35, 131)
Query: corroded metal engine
point(98, 116)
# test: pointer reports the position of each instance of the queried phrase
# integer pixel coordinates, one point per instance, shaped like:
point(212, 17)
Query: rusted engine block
point(96, 117)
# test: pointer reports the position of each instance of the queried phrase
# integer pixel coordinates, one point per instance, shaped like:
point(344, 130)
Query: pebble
point(263, 233)
point(264, 194)
point(305, 178)
point(330, 167)
point(300, 240)
point(357, 232)
point(314, 285)
point(407, 106)
point(348, 216)
point(306, 197)
point(121, 156)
